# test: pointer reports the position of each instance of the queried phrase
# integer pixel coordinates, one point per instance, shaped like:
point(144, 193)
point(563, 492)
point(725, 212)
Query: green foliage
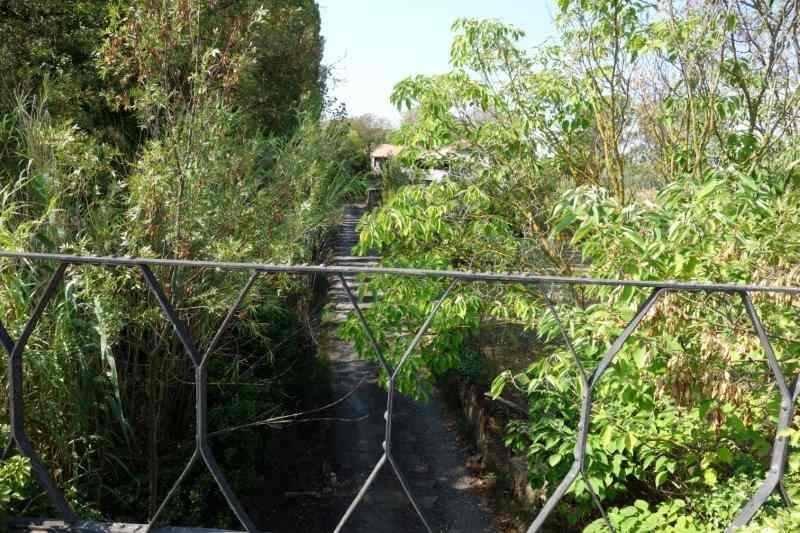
point(191, 129)
point(674, 413)
point(750, 213)
point(394, 175)
point(316, 170)
point(556, 143)
point(784, 520)
point(705, 512)
point(15, 475)
point(48, 47)
point(640, 518)
point(199, 192)
point(287, 75)
point(370, 130)
point(427, 227)
point(187, 129)
point(262, 57)
point(18, 491)
point(45, 38)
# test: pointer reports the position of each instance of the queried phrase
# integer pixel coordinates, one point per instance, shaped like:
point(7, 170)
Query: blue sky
point(373, 44)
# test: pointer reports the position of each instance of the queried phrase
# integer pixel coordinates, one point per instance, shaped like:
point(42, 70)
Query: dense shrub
point(630, 148)
point(215, 171)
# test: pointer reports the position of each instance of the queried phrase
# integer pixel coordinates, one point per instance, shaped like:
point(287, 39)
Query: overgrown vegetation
point(648, 142)
point(183, 129)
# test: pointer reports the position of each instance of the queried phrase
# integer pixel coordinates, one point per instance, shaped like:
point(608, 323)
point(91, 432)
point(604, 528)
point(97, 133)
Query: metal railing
point(773, 481)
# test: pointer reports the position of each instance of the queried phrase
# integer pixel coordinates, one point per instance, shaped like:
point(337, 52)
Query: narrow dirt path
point(425, 450)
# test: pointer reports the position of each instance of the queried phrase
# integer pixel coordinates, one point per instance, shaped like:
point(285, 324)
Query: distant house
point(435, 164)
point(381, 155)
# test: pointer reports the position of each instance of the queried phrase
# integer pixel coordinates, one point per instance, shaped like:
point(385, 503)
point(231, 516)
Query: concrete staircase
point(339, 304)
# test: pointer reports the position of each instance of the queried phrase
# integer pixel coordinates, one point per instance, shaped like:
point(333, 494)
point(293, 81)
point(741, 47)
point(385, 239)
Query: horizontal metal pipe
point(525, 279)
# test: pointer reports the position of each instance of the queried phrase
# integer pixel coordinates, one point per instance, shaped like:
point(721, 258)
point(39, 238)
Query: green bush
point(676, 415)
point(212, 170)
point(639, 518)
point(673, 414)
point(15, 477)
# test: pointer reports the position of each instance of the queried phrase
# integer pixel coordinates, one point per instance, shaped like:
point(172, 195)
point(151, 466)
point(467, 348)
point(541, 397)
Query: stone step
point(348, 238)
point(355, 276)
point(354, 285)
point(341, 316)
point(350, 259)
point(356, 258)
point(347, 306)
point(354, 282)
point(341, 297)
point(358, 265)
point(340, 292)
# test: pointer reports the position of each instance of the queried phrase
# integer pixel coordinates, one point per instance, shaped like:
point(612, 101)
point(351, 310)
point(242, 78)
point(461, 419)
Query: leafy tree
point(649, 142)
point(677, 407)
point(371, 130)
point(217, 147)
point(602, 43)
point(48, 47)
point(263, 58)
point(288, 75)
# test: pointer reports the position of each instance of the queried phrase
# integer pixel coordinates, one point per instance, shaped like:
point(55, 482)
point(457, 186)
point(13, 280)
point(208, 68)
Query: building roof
point(386, 150)
point(454, 148)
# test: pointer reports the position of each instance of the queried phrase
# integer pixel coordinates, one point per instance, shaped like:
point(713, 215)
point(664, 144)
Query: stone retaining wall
point(486, 421)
